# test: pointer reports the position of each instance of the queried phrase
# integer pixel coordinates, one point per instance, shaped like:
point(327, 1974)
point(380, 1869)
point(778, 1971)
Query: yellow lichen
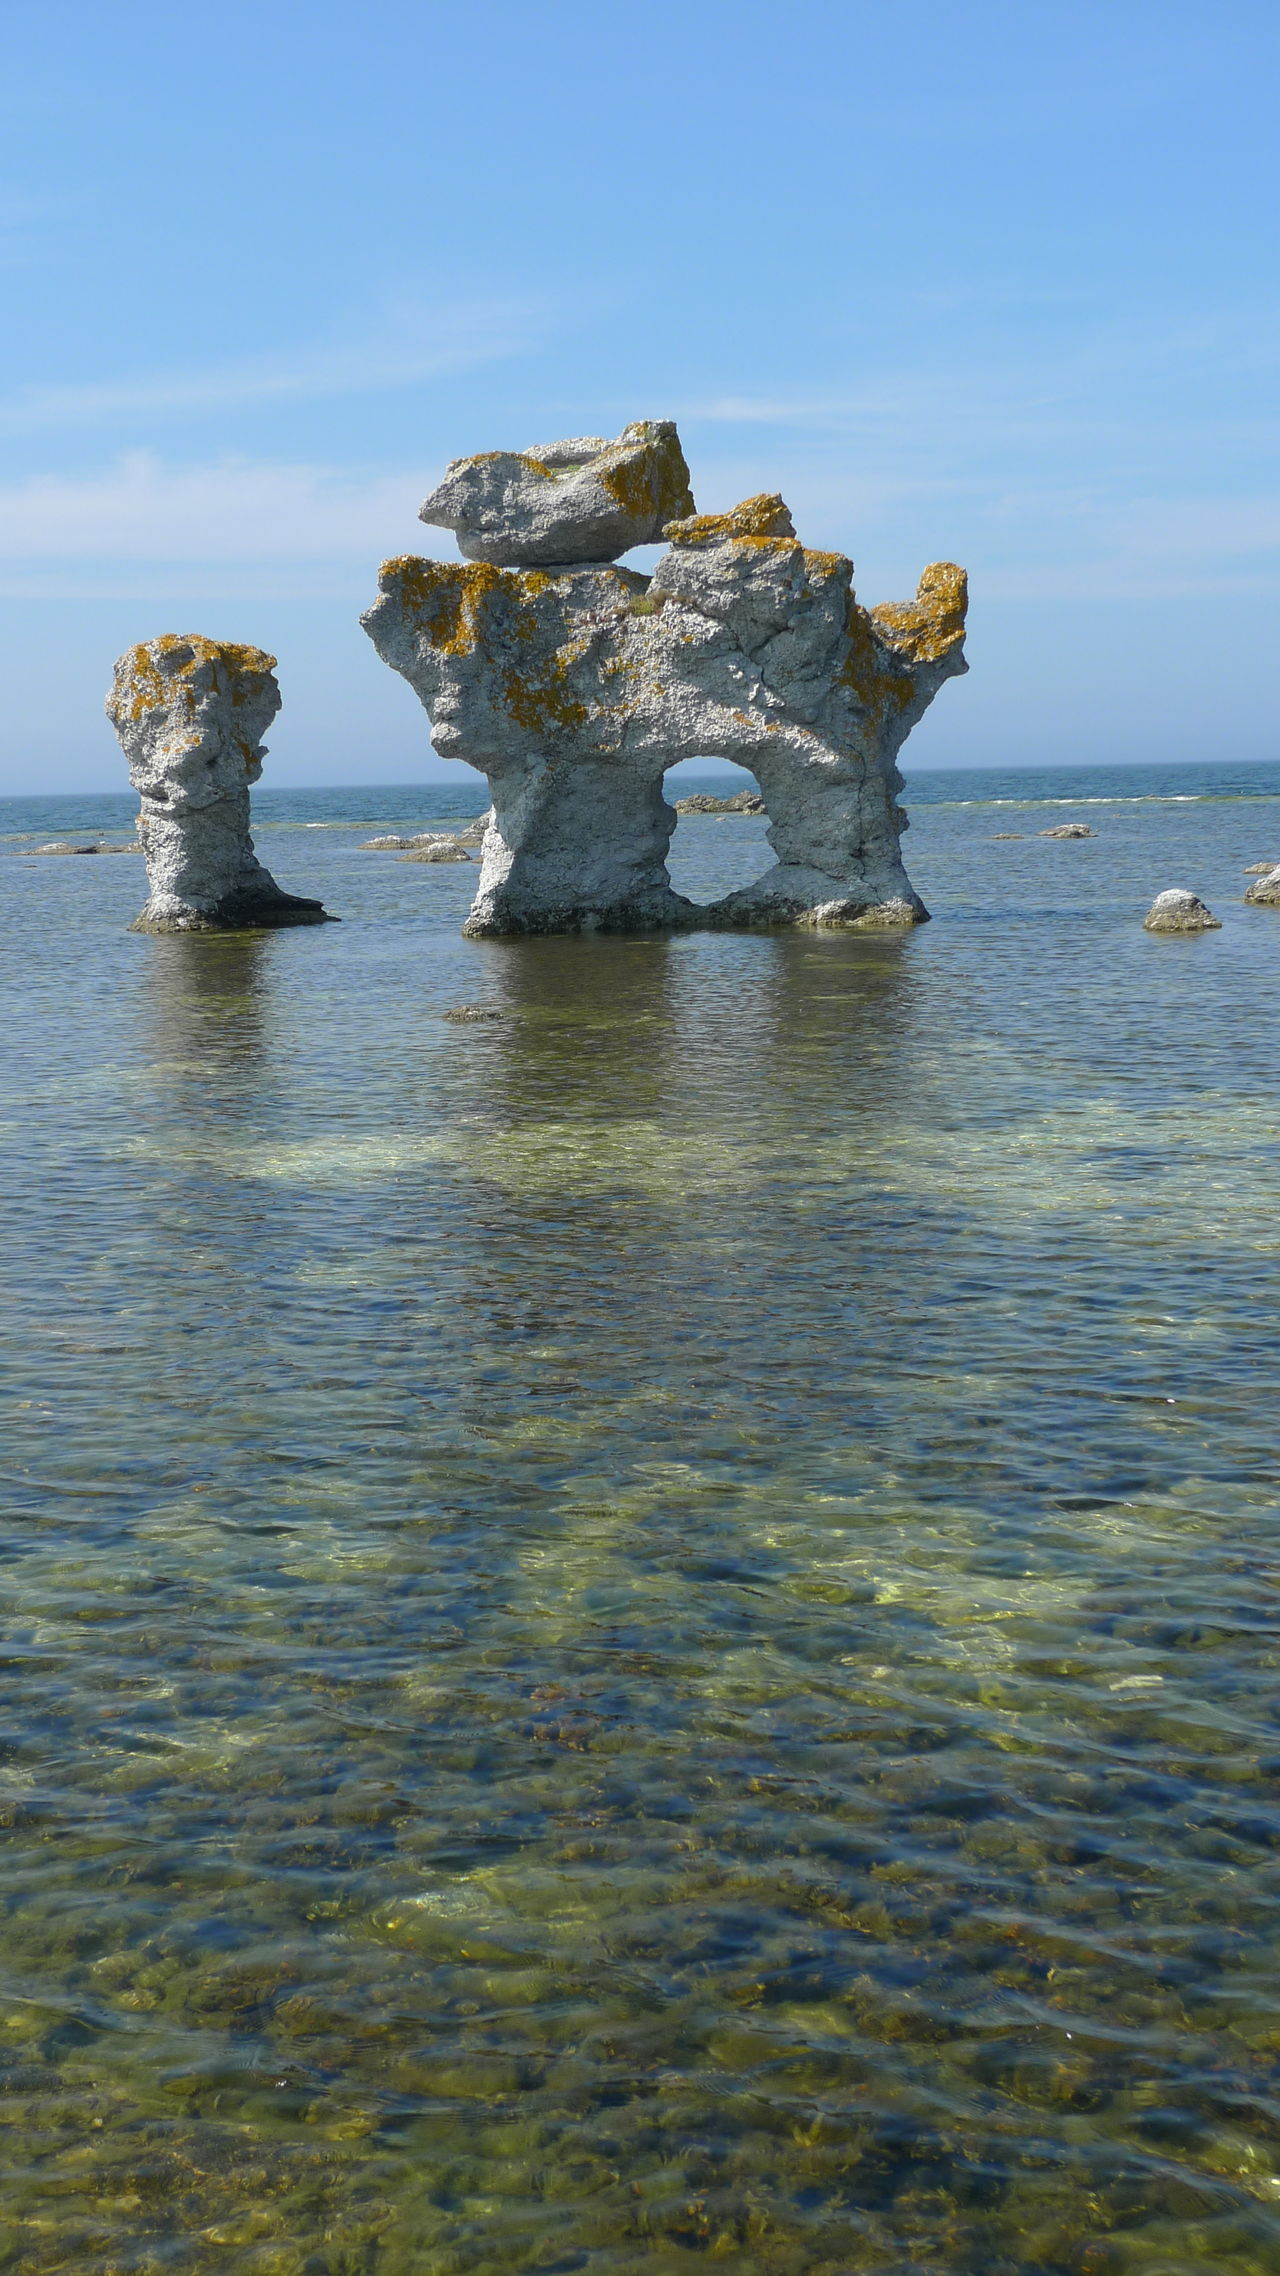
point(158, 672)
point(446, 597)
point(886, 642)
point(645, 472)
point(762, 519)
point(928, 628)
point(824, 564)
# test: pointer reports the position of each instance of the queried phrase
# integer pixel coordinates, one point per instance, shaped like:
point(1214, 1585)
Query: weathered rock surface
point(1264, 893)
point(1069, 830)
point(190, 714)
point(701, 802)
point(1006, 837)
point(586, 499)
point(1178, 911)
point(574, 689)
point(1260, 868)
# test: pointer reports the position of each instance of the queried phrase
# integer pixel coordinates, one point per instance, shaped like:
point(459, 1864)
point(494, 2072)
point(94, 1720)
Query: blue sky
point(994, 284)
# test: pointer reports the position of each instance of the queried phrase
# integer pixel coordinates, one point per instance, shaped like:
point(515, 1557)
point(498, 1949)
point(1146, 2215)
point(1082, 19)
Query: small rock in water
point(1178, 911)
point(385, 845)
point(1002, 835)
point(435, 849)
point(742, 802)
point(1261, 868)
point(1265, 891)
point(1069, 830)
point(474, 833)
point(463, 1015)
point(57, 846)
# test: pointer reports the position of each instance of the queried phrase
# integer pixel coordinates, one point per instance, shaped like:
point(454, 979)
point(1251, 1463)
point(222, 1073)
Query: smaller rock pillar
point(190, 714)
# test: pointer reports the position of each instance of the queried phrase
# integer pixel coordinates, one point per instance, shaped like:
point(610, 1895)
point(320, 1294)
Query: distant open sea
point(393, 805)
point(641, 1635)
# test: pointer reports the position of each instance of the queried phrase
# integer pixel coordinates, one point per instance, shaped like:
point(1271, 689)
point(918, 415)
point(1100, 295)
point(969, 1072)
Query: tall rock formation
point(190, 714)
point(573, 687)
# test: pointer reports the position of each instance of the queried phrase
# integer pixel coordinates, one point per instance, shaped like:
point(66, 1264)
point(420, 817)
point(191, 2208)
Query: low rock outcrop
point(437, 849)
point(1264, 893)
point(1178, 911)
point(701, 802)
point(573, 688)
point(190, 714)
point(586, 499)
point(1069, 830)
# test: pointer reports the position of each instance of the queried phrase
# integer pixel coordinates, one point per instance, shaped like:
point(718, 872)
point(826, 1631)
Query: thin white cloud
point(142, 509)
point(401, 353)
point(240, 518)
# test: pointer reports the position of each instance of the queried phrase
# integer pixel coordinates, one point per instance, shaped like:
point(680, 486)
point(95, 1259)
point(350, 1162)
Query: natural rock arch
point(574, 688)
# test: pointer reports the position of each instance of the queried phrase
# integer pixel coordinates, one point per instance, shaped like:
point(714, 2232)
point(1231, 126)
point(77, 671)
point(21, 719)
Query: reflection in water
point(641, 1635)
point(205, 1003)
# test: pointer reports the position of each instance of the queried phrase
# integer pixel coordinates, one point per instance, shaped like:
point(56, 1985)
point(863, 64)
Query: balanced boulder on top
point(585, 499)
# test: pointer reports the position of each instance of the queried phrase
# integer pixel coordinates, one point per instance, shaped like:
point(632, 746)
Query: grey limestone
point(190, 714)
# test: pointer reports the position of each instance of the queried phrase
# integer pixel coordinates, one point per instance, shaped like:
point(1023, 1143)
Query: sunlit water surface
point(643, 1634)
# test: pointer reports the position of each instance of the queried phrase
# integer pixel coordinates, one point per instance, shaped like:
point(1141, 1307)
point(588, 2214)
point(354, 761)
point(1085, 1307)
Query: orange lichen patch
point(825, 564)
point(487, 457)
point(762, 518)
point(645, 471)
point(544, 705)
point(873, 672)
point(928, 628)
point(446, 597)
point(157, 673)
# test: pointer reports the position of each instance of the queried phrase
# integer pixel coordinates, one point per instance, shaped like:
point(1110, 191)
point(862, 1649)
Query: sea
point(641, 1634)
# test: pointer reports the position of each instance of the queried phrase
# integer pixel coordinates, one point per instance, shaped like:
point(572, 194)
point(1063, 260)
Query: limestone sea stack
point(573, 688)
point(1178, 911)
point(585, 499)
point(190, 714)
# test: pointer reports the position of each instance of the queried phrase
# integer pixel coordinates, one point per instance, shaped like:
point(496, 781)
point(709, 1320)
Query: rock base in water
point(1178, 911)
point(1264, 893)
point(1069, 830)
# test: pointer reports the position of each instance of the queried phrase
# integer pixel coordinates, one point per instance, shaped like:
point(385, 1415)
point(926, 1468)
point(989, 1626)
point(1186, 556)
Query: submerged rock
point(190, 714)
point(585, 499)
point(465, 1015)
point(743, 802)
point(1000, 836)
point(436, 849)
point(1264, 893)
point(1177, 911)
point(1069, 830)
point(57, 846)
point(574, 689)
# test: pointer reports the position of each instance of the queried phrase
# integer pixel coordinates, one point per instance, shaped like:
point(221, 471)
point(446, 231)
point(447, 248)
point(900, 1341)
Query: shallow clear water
point(644, 1633)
